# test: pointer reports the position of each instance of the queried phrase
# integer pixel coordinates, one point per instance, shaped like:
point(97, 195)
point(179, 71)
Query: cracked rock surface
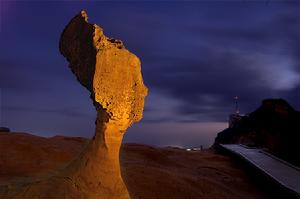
point(113, 76)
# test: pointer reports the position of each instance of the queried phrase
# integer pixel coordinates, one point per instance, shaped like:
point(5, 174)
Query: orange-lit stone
point(113, 76)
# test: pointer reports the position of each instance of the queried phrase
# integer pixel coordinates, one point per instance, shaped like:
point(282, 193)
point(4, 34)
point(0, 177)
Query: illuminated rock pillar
point(113, 76)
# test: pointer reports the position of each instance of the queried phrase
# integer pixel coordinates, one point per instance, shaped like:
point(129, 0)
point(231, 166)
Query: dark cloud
point(66, 111)
point(230, 61)
point(207, 83)
point(196, 56)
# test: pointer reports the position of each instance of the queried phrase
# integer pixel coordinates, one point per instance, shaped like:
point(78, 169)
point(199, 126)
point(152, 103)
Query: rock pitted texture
point(113, 76)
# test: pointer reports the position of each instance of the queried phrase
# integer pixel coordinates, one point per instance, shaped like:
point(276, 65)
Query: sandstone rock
point(148, 172)
point(113, 76)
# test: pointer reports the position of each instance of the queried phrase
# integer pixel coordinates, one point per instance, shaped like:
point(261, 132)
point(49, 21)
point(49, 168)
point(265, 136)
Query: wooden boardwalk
point(282, 172)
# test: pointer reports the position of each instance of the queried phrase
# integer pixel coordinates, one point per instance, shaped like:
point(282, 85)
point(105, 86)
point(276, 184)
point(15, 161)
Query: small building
point(235, 117)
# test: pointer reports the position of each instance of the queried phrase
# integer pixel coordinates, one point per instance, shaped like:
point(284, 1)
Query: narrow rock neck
point(108, 137)
point(101, 156)
point(98, 167)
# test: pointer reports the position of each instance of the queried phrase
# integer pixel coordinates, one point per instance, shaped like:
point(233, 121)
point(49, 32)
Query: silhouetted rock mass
point(113, 76)
point(4, 129)
point(275, 125)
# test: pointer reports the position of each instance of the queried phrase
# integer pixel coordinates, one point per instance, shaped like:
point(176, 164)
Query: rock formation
point(148, 172)
point(275, 126)
point(113, 76)
point(4, 129)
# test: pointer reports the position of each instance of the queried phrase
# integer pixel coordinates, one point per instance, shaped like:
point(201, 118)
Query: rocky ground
point(148, 172)
point(274, 126)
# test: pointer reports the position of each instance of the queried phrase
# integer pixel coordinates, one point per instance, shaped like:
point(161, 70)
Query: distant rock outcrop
point(275, 125)
point(4, 129)
point(113, 76)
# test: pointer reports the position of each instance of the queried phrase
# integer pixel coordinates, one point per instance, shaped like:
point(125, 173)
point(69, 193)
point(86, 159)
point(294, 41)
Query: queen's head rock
point(113, 76)
point(106, 68)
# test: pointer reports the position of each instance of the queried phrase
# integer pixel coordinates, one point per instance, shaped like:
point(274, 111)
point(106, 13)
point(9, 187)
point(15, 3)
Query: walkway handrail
point(258, 158)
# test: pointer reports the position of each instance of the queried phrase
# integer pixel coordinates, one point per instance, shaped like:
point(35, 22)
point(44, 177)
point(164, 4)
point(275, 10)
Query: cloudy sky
point(196, 56)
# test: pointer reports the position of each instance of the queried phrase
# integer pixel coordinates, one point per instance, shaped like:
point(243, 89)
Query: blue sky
point(196, 56)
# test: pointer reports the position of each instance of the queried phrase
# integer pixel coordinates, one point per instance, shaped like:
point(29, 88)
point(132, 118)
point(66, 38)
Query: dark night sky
point(196, 56)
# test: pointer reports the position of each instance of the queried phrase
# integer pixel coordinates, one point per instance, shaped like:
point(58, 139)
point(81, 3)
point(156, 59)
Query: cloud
point(66, 111)
point(196, 57)
point(175, 133)
point(277, 72)
point(206, 84)
point(251, 57)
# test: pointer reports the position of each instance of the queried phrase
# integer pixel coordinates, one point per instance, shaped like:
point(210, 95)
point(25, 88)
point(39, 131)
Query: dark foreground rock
point(4, 129)
point(275, 125)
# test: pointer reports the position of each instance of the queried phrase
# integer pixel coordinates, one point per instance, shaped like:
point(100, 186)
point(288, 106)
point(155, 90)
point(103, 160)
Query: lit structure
point(235, 117)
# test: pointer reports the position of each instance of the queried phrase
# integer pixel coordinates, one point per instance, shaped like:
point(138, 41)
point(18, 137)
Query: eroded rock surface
point(148, 172)
point(113, 76)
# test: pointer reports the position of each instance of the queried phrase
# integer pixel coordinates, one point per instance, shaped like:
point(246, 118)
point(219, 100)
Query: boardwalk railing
point(285, 174)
